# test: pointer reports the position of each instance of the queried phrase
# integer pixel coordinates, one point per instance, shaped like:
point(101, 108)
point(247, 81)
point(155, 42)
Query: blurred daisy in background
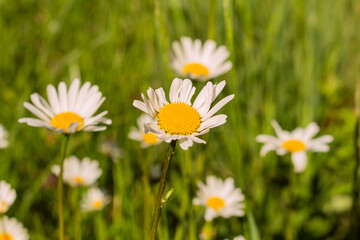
point(7, 197)
point(180, 119)
point(220, 198)
point(3, 137)
point(199, 61)
point(79, 173)
point(240, 237)
point(138, 134)
point(94, 200)
point(11, 229)
point(70, 110)
point(297, 143)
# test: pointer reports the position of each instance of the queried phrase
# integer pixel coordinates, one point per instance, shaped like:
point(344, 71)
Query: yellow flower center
point(196, 69)
point(3, 206)
point(97, 204)
point(294, 145)
point(150, 138)
point(215, 203)
point(5, 236)
point(178, 119)
point(78, 180)
point(63, 120)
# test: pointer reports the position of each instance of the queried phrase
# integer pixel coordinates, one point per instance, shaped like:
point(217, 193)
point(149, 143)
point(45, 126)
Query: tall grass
point(294, 61)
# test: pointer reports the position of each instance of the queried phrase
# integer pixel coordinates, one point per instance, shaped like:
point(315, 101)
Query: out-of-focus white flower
point(11, 229)
point(79, 173)
point(220, 198)
point(70, 110)
point(138, 134)
point(180, 119)
point(94, 200)
point(7, 196)
point(3, 137)
point(196, 61)
point(297, 142)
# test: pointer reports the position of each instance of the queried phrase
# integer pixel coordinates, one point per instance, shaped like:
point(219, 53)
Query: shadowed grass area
point(294, 61)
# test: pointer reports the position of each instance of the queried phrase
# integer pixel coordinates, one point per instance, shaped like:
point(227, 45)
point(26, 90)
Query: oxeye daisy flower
point(7, 196)
point(180, 119)
point(11, 229)
point(3, 137)
point(199, 61)
point(297, 143)
point(94, 200)
point(70, 110)
point(220, 198)
point(138, 134)
point(79, 173)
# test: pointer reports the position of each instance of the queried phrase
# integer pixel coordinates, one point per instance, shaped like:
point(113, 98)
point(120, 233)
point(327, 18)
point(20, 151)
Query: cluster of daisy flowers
point(10, 228)
point(84, 173)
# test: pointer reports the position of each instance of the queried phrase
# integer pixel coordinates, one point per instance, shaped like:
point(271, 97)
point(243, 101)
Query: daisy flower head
point(199, 61)
point(220, 198)
point(3, 137)
point(180, 119)
point(11, 229)
point(79, 173)
point(297, 143)
point(138, 134)
point(69, 110)
point(7, 196)
point(94, 200)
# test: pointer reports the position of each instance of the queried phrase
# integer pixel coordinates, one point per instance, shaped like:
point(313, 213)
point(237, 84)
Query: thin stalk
point(78, 231)
point(211, 20)
point(60, 189)
point(100, 227)
point(164, 176)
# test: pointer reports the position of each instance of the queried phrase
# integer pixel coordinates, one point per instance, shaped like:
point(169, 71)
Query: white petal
point(299, 159)
point(218, 106)
point(53, 98)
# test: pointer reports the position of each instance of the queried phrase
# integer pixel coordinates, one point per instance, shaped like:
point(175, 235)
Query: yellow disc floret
point(294, 145)
point(3, 206)
point(63, 120)
point(150, 138)
point(215, 203)
point(196, 69)
point(78, 180)
point(97, 204)
point(178, 119)
point(5, 236)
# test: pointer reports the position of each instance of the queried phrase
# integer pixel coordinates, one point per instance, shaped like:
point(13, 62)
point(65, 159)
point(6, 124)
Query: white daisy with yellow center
point(199, 61)
point(94, 200)
point(180, 119)
point(220, 198)
point(11, 229)
point(3, 137)
point(297, 143)
point(138, 134)
point(70, 110)
point(79, 173)
point(7, 196)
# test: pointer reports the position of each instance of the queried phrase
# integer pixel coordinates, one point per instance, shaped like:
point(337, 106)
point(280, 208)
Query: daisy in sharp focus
point(220, 198)
point(94, 200)
point(3, 137)
point(138, 134)
point(180, 119)
point(199, 61)
point(11, 229)
point(297, 142)
point(7, 196)
point(69, 110)
point(79, 173)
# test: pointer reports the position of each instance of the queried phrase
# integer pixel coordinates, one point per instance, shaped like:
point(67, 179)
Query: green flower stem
point(211, 20)
point(78, 231)
point(355, 208)
point(60, 189)
point(159, 203)
point(100, 227)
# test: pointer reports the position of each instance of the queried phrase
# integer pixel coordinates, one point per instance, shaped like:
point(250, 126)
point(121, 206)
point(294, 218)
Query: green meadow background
point(295, 61)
